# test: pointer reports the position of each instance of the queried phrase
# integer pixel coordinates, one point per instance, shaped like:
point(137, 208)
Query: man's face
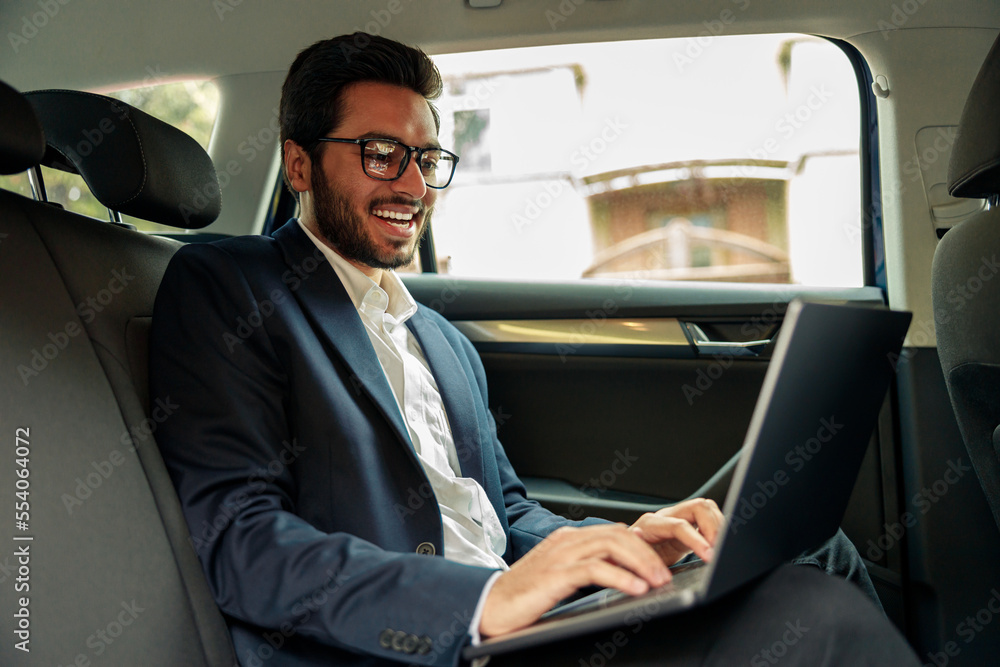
point(370, 222)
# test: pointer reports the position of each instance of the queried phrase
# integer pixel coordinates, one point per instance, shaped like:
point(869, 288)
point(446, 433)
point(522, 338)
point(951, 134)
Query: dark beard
point(342, 228)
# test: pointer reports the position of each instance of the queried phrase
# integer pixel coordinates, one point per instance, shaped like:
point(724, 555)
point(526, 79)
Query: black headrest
point(974, 170)
point(133, 163)
point(21, 141)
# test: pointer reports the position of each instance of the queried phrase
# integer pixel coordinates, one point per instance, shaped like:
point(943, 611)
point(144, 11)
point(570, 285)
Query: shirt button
point(426, 549)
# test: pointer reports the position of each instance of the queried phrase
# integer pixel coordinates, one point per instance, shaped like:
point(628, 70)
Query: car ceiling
point(197, 38)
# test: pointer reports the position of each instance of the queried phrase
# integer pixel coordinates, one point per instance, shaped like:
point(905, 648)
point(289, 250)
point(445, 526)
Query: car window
point(191, 106)
point(731, 158)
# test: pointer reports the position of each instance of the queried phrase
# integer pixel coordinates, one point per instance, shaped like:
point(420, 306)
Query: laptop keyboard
point(685, 577)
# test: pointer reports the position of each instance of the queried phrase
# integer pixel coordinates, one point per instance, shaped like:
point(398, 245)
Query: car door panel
point(601, 418)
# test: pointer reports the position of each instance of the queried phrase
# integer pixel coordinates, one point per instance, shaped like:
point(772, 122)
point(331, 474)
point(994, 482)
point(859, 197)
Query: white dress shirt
point(472, 531)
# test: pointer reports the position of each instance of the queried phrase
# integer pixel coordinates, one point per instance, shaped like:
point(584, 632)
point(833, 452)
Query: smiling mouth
point(394, 217)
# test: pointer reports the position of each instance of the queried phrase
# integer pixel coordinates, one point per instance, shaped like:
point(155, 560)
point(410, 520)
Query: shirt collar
point(401, 305)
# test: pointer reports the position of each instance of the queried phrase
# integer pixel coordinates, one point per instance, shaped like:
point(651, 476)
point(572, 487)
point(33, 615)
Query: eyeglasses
point(386, 160)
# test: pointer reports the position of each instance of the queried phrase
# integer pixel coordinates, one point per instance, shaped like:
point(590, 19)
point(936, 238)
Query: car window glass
point(190, 106)
point(730, 158)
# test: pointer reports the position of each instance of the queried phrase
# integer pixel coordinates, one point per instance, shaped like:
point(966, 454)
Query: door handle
point(705, 345)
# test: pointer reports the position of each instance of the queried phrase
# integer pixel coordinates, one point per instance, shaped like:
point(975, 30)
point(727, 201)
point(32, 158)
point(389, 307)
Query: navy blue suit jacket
point(305, 500)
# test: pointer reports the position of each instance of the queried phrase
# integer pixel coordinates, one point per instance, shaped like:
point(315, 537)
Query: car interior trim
point(597, 330)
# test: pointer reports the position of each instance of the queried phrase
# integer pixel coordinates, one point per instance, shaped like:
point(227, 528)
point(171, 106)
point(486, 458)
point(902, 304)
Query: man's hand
point(674, 531)
point(630, 559)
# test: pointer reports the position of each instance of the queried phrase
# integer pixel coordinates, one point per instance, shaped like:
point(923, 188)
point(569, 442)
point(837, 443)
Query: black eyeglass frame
point(404, 163)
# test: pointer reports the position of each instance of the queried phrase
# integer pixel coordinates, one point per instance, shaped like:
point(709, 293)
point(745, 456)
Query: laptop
point(819, 403)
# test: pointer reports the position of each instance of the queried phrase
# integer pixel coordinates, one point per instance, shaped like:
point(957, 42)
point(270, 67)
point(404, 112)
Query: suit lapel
point(456, 393)
point(325, 300)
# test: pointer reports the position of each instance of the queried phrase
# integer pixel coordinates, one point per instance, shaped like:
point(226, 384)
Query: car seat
point(966, 283)
point(105, 571)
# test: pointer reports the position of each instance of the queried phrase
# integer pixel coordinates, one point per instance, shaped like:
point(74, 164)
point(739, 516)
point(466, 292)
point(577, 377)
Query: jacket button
point(426, 549)
point(385, 638)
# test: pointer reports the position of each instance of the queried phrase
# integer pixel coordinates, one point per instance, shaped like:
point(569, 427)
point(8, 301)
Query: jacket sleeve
point(210, 351)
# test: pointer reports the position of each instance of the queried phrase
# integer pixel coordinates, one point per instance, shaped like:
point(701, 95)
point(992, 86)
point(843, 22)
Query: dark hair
point(312, 95)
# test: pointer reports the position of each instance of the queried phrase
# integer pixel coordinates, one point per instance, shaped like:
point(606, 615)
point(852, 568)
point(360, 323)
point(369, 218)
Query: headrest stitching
point(125, 107)
point(142, 156)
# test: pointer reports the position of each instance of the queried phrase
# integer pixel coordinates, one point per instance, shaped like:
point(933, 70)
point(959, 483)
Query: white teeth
point(393, 215)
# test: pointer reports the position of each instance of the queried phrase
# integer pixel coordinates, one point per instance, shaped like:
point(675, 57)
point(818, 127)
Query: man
point(318, 399)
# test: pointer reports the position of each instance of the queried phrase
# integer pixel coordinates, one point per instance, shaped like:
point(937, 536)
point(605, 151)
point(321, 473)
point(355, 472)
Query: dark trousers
point(793, 616)
point(838, 557)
